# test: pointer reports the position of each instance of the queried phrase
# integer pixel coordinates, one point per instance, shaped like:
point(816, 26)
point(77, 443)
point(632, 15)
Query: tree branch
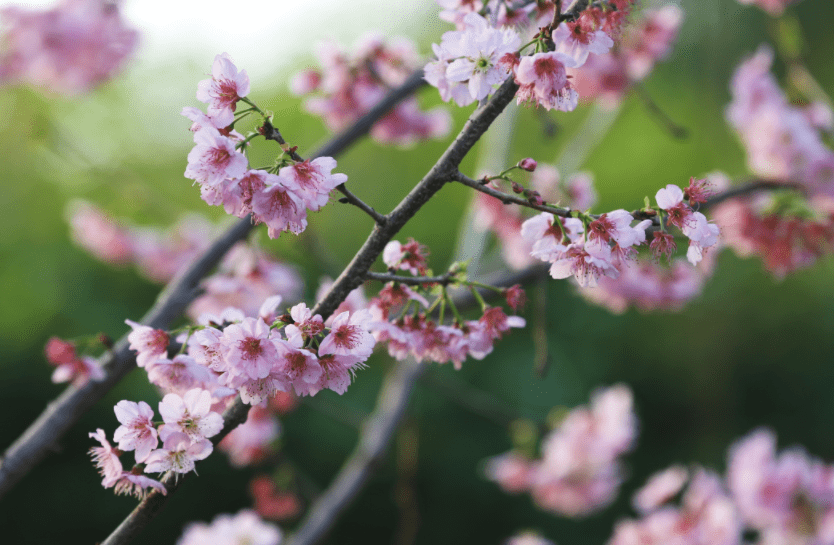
point(506, 198)
point(353, 275)
point(410, 280)
point(63, 412)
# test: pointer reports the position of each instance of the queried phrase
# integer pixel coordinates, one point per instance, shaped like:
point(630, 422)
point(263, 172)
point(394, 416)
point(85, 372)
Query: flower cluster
point(71, 48)
point(245, 527)
point(479, 55)
point(576, 192)
point(280, 197)
point(188, 423)
point(579, 471)
point(69, 366)
point(401, 317)
point(783, 141)
point(786, 238)
point(694, 225)
point(244, 279)
point(350, 85)
point(770, 497)
point(232, 353)
point(646, 41)
point(706, 514)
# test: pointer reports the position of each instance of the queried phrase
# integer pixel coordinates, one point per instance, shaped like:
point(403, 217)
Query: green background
point(751, 351)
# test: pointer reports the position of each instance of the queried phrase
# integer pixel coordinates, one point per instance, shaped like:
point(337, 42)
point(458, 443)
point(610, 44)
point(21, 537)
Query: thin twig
point(62, 413)
point(410, 280)
point(350, 198)
point(506, 198)
point(674, 129)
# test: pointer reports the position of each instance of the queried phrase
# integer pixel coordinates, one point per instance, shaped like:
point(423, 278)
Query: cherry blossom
point(245, 527)
point(69, 367)
point(250, 442)
point(272, 503)
point(349, 336)
point(280, 209)
point(137, 431)
point(214, 158)
point(106, 459)
point(578, 39)
point(179, 374)
point(151, 344)
point(223, 90)
point(178, 454)
point(542, 79)
point(250, 352)
point(410, 256)
point(313, 181)
point(98, 233)
point(190, 414)
point(137, 485)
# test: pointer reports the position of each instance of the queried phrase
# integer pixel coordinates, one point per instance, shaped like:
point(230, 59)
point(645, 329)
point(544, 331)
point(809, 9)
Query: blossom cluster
point(783, 142)
point(348, 85)
point(279, 197)
point(484, 51)
point(188, 423)
point(231, 353)
point(785, 145)
point(70, 48)
point(69, 365)
point(245, 278)
point(401, 316)
point(778, 498)
point(645, 41)
point(244, 527)
point(579, 471)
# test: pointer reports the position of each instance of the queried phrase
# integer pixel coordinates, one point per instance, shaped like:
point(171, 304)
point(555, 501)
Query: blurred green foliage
point(752, 351)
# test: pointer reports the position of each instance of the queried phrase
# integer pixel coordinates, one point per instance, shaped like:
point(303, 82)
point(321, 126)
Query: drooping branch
point(506, 198)
point(63, 412)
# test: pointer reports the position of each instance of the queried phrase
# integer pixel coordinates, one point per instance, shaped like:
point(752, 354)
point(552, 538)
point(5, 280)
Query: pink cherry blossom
point(279, 208)
point(477, 52)
point(410, 256)
point(650, 40)
point(179, 374)
point(137, 485)
point(70, 367)
point(579, 38)
point(250, 442)
point(349, 336)
point(106, 459)
point(511, 471)
point(542, 79)
point(99, 234)
point(773, 7)
point(137, 431)
point(313, 180)
point(250, 352)
point(660, 488)
point(178, 454)
point(190, 414)
point(245, 527)
point(296, 363)
point(336, 375)
point(150, 343)
point(214, 158)
point(306, 325)
point(585, 262)
point(272, 503)
point(223, 90)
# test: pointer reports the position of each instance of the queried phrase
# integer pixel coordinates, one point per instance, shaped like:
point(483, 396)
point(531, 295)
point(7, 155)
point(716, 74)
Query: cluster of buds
point(188, 422)
point(347, 86)
point(279, 197)
point(579, 471)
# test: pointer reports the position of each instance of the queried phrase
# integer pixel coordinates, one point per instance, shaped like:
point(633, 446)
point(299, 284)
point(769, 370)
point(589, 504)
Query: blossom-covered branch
point(64, 411)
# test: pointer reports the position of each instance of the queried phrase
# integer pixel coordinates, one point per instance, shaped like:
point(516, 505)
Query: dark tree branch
point(410, 280)
point(63, 412)
point(350, 198)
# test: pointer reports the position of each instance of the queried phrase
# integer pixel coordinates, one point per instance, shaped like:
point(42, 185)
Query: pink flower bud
point(529, 164)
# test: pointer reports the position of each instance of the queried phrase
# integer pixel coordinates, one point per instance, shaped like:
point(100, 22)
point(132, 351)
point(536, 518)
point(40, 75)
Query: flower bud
point(529, 164)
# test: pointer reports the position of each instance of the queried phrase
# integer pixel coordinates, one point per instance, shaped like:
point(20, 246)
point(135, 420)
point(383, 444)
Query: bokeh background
point(752, 351)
